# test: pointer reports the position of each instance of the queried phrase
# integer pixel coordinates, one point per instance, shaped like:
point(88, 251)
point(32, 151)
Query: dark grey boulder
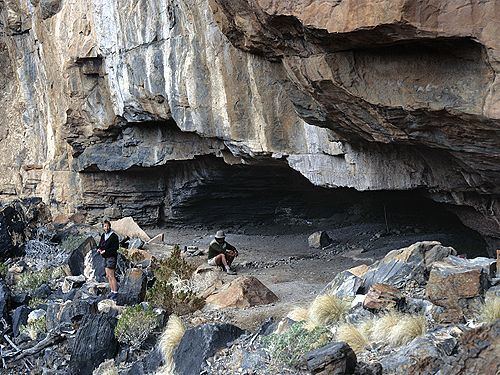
point(335, 358)
point(94, 343)
point(133, 288)
point(4, 299)
point(200, 343)
point(12, 232)
point(42, 292)
point(19, 318)
point(147, 365)
point(68, 313)
point(76, 261)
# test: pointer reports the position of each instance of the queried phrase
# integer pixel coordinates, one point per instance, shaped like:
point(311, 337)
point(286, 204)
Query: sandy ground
point(281, 258)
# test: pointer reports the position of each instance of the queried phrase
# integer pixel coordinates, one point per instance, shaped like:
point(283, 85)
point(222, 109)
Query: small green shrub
point(34, 328)
point(30, 280)
point(289, 347)
point(35, 302)
point(135, 324)
point(164, 294)
point(3, 270)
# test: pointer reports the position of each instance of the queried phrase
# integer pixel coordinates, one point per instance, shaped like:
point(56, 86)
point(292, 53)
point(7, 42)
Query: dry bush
point(169, 341)
point(327, 309)
point(171, 289)
point(354, 336)
point(382, 326)
point(406, 329)
point(490, 311)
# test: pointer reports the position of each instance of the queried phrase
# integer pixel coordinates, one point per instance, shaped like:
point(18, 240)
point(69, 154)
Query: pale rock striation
point(114, 107)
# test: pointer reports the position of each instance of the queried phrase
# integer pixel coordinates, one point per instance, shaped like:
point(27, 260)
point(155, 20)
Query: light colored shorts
point(212, 262)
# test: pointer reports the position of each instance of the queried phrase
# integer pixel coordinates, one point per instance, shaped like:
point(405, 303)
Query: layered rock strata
point(107, 106)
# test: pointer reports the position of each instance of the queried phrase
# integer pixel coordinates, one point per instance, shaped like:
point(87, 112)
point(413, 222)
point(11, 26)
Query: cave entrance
point(273, 199)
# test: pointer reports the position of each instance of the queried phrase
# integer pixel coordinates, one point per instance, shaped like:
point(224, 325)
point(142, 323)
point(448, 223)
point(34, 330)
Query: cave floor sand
point(281, 259)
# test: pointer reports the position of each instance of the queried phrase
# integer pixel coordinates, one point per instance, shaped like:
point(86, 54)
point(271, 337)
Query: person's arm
point(110, 247)
point(231, 248)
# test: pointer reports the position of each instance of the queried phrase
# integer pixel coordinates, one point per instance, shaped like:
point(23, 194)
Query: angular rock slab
point(69, 312)
point(133, 288)
point(423, 355)
point(345, 284)
point(412, 262)
point(127, 227)
point(336, 358)
point(94, 342)
point(76, 261)
point(245, 291)
point(456, 284)
point(19, 318)
point(200, 343)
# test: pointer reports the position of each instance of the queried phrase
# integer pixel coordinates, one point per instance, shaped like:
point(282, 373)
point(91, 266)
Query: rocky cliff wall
point(104, 101)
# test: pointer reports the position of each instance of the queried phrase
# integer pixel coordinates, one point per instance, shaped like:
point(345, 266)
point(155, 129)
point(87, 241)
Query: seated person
point(221, 253)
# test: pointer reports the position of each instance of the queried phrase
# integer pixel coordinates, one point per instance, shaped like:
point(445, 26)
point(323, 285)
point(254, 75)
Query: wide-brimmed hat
point(220, 234)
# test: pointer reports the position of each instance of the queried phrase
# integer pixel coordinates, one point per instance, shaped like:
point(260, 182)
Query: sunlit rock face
point(102, 101)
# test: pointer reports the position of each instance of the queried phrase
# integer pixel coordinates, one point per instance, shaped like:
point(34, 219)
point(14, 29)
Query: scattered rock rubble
point(64, 322)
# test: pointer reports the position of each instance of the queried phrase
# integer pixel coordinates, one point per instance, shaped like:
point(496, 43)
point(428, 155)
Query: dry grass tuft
point(327, 309)
point(169, 341)
point(407, 329)
point(298, 314)
point(490, 311)
point(382, 326)
point(354, 336)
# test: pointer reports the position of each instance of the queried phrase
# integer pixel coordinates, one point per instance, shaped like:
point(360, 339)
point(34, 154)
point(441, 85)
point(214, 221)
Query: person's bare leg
point(110, 275)
point(222, 259)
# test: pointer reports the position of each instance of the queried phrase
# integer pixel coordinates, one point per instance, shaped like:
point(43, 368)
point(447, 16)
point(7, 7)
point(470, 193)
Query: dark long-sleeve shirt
point(216, 248)
point(110, 246)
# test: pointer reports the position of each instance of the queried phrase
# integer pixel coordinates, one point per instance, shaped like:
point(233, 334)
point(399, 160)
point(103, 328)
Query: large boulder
point(410, 263)
point(68, 313)
point(133, 287)
point(423, 355)
point(76, 260)
point(336, 358)
point(319, 239)
point(346, 283)
point(94, 342)
point(200, 343)
point(245, 291)
point(457, 285)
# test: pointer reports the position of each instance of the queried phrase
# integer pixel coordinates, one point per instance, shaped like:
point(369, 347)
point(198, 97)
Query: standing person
point(221, 253)
point(108, 248)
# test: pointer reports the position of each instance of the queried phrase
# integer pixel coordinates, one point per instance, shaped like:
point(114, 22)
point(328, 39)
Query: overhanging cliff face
point(101, 98)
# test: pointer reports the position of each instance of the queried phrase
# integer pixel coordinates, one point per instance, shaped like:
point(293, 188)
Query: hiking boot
point(229, 271)
point(113, 296)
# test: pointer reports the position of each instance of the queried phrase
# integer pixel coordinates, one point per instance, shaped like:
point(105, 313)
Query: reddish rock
point(382, 296)
point(456, 288)
point(245, 291)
